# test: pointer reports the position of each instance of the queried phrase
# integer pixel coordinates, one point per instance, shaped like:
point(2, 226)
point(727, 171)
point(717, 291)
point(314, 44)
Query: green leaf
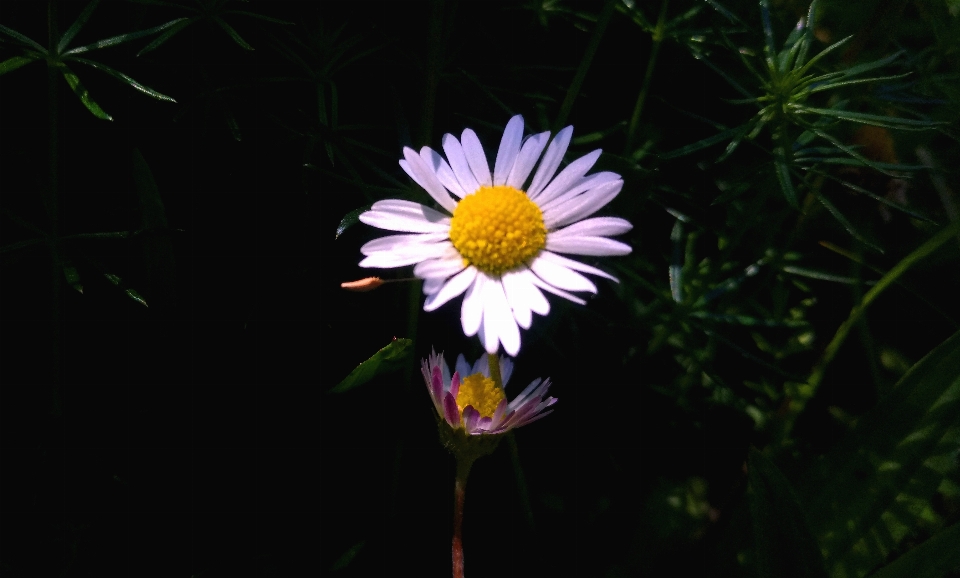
point(233, 33)
point(785, 548)
point(702, 144)
point(259, 17)
point(388, 359)
point(783, 176)
point(799, 72)
point(130, 292)
point(120, 39)
point(123, 78)
point(934, 558)
point(869, 491)
point(83, 94)
point(180, 25)
point(344, 560)
point(872, 119)
point(72, 276)
point(846, 224)
point(14, 63)
point(350, 219)
point(76, 26)
point(17, 36)
point(835, 85)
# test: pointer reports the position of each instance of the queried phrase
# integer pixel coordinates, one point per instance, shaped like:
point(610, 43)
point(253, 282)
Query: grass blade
point(14, 63)
point(83, 94)
point(124, 78)
point(76, 26)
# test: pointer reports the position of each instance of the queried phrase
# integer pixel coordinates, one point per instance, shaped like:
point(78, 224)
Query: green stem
point(816, 377)
point(585, 63)
point(459, 495)
point(54, 205)
point(493, 362)
point(647, 76)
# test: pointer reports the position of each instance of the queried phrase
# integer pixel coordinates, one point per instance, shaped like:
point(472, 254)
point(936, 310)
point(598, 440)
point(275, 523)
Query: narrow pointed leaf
point(867, 66)
point(389, 358)
point(259, 17)
point(846, 224)
point(872, 487)
point(785, 547)
point(14, 63)
point(702, 144)
point(122, 38)
point(17, 36)
point(76, 26)
point(123, 78)
point(786, 184)
point(769, 48)
point(180, 25)
point(809, 26)
point(129, 292)
point(873, 119)
point(934, 558)
point(233, 33)
point(350, 219)
point(806, 67)
point(850, 151)
point(841, 84)
point(84, 95)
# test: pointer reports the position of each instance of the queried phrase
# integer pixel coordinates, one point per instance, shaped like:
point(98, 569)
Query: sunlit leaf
point(936, 557)
point(350, 219)
point(120, 39)
point(76, 26)
point(17, 36)
point(123, 78)
point(14, 63)
point(179, 25)
point(83, 94)
point(893, 460)
point(390, 358)
point(233, 33)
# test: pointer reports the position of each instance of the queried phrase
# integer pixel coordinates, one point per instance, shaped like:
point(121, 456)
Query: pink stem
point(459, 494)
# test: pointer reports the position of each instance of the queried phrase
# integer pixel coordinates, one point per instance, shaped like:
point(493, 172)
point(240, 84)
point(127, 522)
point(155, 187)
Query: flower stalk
point(464, 463)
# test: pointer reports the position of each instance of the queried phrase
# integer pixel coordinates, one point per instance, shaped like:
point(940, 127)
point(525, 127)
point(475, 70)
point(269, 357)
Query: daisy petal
point(575, 265)
point(406, 256)
point(471, 312)
point(551, 289)
point(463, 368)
point(459, 164)
point(442, 268)
point(506, 369)
point(550, 162)
point(595, 246)
point(516, 290)
point(499, 325)
point(470, 418)
point(535, 299)
point(595, 227)
point(529, 153)
point(509, 149)
point(581, 206)
point(568, 177)
point(443, 171)
point(561, 277)
point(391, 242)
point(421, 172)
point(476, 158)
point(431, 286)
point(450, 410)
point(398, 215)
point(587, 183)
point(454, 287)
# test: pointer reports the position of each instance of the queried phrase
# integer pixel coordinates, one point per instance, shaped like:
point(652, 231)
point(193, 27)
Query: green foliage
point(389, 358)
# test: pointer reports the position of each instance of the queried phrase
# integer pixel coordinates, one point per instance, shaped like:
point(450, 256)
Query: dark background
point(194, 437)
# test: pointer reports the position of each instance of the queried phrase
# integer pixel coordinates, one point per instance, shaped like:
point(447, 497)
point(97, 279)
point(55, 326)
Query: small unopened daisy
point(473, 400)
point(501, 238)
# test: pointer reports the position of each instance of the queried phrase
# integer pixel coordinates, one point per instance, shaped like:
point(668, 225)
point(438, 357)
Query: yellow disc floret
point(480, 392)
point(497, 229)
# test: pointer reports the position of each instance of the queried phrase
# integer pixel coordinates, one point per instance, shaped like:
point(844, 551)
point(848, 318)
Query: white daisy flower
point(502, 239)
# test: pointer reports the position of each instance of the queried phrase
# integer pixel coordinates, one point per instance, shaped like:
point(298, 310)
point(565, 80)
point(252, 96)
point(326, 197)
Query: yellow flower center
point(497, 229)
point(480, 392)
